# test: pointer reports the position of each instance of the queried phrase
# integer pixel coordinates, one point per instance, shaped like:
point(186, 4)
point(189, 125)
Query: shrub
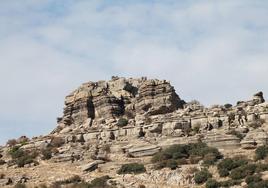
point(243, 171)
point(223, 172)
point(195, 152)
point(209, 159)
point(21, 157)
point(211, 183)
point(135, 168)
point(21, 161)
point(11, 142)
point(122, 122)
point(260, 184)
point(172, 164)
point(20, 185)
point(57, 142)
point(227, 106)
point(194, 159)
point(15, 152)
point(2, 162)
point(99, 182)
point(202, 176)
point(230, 183)
point(253, 179)
point(261, 167)
point(46, 154)
point(230, 164)
point(23, 140)
point(261, 152)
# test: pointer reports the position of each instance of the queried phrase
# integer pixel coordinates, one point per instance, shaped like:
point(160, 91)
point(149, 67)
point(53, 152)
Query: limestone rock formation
point(102, 102)
point(109, 124)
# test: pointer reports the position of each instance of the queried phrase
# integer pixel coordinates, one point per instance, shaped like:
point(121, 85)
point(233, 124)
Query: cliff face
point(107, 124)
point(98, 102)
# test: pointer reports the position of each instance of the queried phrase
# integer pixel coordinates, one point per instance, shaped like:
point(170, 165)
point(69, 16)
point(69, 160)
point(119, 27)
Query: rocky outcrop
point(255, 138)
point(221, 140)
point(101, 103)
point(91, 166)
point(143, 151)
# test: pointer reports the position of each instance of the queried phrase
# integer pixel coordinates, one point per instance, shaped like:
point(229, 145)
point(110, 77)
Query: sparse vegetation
point(122, 122)
point(22, 157)
point(228, 164)
point(20, 185)
point(257, 123)
point(261, 152)
point(2, 162)
point(202, 176)
point(46, 153)
point(130, 168)
point(11, 142)
point(195, 152)
point(211, 183)
point(99, 182)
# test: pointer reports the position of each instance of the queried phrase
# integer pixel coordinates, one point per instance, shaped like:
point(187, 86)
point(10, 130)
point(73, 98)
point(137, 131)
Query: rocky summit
point(137, 133)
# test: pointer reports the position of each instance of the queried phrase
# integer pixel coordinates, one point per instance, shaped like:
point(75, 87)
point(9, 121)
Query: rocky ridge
point(109, 123)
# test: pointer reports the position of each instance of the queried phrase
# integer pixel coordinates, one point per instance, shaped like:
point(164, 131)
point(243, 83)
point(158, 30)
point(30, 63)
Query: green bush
point(223, 172)
point(209, 159)
point(122, 122)
point(195, 152)
point(261, 167)
point(243, 171)
point(99, 182)
point(211, 183)
point(135, 168)
point(46, 154)
point(202, 176)
point(172, 164)
point(261, 152)
point(253, 179)
point(230, 183)
point(22, 157)
point(260, 184)
point(229, 164)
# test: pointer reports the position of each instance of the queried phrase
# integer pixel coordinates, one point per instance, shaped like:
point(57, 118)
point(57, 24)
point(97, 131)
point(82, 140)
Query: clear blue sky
point(212, 51)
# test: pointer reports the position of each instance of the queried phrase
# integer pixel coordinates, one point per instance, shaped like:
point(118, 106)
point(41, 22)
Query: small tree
point(122, 122)
point(135, 168)
point(202, 176)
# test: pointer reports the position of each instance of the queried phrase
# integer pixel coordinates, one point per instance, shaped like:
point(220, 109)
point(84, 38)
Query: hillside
point(139, 133)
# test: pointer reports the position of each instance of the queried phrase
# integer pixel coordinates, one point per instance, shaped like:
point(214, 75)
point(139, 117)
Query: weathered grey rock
point(221, 140)
point(254, 138)
point(94, 101)
point(62, 158)
point(4, 182)
point(141, 151)
point(92, 166)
